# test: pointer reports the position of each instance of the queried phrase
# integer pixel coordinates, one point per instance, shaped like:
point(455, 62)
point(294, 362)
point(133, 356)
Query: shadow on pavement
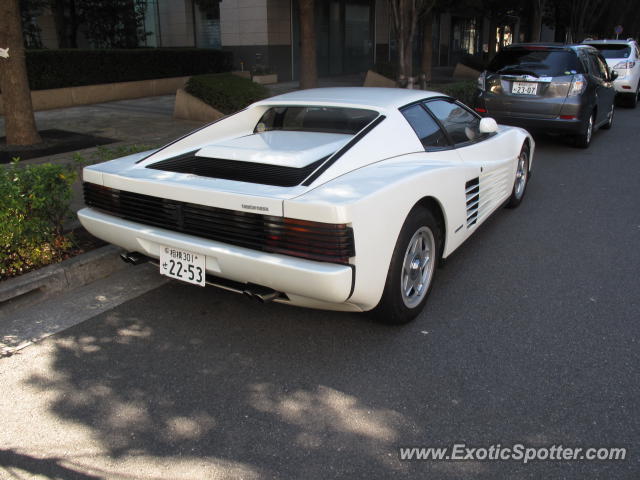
point(51, 467)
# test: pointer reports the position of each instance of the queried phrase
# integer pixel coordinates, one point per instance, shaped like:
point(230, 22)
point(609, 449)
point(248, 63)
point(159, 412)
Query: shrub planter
point(265, 79)
point(188, 107)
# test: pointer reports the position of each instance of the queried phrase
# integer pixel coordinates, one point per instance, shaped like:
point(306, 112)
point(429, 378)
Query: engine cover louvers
point(472, 191)
point(249, 172)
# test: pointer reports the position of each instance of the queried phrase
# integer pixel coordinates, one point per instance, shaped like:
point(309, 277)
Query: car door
point(490, 153)
point(604, 91)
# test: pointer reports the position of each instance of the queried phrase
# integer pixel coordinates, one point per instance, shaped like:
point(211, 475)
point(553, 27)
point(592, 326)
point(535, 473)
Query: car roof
point(549, 46)
point(385, 98)
point(610, 41)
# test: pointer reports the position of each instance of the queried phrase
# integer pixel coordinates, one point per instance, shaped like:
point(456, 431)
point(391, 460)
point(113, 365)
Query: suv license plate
point(182, 265)
point(524, 88)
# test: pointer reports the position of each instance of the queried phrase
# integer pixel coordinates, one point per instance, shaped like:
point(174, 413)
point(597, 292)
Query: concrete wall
point(73, 96)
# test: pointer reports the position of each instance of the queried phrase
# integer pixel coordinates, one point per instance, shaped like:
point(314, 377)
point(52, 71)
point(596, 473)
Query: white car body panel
point(277, 148)
point(372, 187)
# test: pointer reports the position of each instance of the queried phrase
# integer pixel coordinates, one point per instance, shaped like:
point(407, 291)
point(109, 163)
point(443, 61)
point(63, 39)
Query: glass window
point(598, 67)
point(426, 128)
point(613, 50)
point(535, 61)
point(316, 119)
point(461, 125)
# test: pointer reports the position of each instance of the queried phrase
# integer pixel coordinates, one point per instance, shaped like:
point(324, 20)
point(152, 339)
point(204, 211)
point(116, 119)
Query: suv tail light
point(578, 85)
point(624, 65)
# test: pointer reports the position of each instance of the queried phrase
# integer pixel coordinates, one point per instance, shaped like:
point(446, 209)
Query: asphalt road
point(531, 335)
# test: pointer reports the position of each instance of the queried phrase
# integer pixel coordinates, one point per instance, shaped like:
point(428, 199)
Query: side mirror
point(613, 75)
point(488, 125)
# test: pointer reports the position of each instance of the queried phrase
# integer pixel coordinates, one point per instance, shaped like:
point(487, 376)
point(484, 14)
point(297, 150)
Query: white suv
point(623, 56)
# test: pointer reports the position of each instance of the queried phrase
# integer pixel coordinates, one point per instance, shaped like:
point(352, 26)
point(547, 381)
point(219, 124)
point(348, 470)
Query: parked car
point(623, 56)
point(553, 88)
point(343, 199)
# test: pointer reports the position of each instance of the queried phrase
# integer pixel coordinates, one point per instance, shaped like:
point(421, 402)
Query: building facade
point(351, 35)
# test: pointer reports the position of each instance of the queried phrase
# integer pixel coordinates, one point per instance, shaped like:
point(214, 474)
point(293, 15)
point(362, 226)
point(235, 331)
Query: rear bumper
point(557, 125)
point(324, 282)
point(626, 85)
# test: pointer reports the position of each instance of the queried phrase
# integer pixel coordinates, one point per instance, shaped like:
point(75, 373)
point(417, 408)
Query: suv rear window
point(537, 62)
point(613, 51)
point(316, 119)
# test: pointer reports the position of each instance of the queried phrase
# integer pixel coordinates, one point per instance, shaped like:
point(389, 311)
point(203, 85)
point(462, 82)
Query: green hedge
point(35, 204)
point(75, 67)
point(226, 92)
point(463, 91)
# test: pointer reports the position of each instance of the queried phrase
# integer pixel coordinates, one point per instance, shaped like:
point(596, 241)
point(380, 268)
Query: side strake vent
point(249, 172)
point(472, 190)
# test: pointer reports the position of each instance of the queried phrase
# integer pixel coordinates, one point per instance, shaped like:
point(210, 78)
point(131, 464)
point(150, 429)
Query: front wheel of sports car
point(522, 178)
point(412, 269)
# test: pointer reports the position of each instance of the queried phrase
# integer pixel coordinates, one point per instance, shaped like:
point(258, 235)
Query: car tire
point(412, 269)
point(633, 98)
point(583, 140)
point(522, 178)
point(609, 123)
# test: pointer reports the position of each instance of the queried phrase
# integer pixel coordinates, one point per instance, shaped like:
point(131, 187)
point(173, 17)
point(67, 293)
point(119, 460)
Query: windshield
point(315, 119)
point(536, 62)
point(613, 51)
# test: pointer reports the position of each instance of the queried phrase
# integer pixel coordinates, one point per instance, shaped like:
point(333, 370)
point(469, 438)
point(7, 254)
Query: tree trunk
point(493, 26)
point(427, 49)
point(308, 62)
point(537, 7)
point(20, 124)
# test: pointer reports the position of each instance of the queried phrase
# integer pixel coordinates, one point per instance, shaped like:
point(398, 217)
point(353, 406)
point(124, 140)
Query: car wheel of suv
point(609, 123)
point(633, 98)
point(583, 140)
point(412, 269)
point(522, 178)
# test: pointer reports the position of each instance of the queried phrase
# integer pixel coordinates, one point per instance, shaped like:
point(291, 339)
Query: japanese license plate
point(182, 265)
point(524, 88)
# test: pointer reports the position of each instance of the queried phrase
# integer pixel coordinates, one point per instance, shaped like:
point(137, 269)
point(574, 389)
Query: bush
point(35, 204)
point(226, 92)
point(463, 91)
point(75, 67)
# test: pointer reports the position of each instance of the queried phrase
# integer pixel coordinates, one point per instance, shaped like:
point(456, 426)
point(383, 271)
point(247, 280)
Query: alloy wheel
point(417, 267)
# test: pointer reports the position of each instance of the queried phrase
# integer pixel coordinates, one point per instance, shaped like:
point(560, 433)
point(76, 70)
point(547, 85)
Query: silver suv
point(549, 87)
point(623, 56)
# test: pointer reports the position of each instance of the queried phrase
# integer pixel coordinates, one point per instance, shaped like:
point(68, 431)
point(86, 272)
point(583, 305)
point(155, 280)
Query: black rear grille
point(249, 172)
point(324, 242)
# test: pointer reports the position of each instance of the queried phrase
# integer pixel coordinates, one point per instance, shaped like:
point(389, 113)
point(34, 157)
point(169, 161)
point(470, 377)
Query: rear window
point(536, 62)
point(315, 119)
point(613, 51)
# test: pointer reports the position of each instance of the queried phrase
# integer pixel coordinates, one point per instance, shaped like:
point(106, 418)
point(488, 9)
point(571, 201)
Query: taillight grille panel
point(323, 242)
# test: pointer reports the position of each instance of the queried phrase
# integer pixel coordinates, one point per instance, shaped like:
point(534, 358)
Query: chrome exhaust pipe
point(134, 258)
point(263, 295)
point(268, 296)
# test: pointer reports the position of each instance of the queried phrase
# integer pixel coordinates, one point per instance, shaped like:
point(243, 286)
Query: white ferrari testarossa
point(336, 198)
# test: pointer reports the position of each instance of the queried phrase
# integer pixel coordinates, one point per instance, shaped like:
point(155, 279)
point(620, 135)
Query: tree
point(20, 124)
point(537, 10)
point(427, 50)
point(308, 62)
point(405, 16)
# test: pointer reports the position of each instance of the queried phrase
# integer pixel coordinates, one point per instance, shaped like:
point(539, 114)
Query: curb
point(75, 272)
